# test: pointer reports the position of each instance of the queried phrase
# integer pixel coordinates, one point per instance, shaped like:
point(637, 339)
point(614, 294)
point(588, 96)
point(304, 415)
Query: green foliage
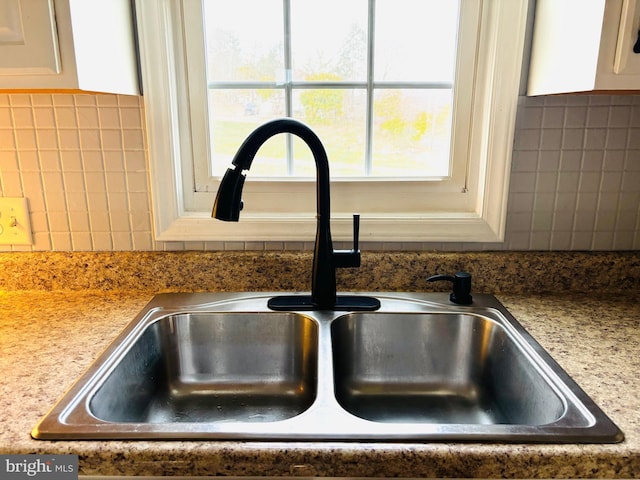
point(262, 69)
point(388, 108)
point(401, 123)
point(421, 125)
point(323, 106)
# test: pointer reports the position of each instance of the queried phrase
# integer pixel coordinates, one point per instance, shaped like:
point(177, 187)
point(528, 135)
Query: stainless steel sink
point(455, 368)
point(213, 367)
point(223, 366)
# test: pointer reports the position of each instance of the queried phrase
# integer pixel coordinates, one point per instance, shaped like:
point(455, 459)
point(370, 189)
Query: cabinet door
point(584, 45)
point(627, 58)
point(28, 38)
point(68, 44)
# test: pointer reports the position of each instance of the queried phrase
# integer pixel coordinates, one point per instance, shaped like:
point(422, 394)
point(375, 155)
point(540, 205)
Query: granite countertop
point(48, 337)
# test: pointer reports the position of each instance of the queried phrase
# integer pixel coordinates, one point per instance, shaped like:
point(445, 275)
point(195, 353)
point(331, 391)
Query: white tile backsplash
point(81, 161)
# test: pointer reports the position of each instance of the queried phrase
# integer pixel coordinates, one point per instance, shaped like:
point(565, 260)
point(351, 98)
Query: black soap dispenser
point(461, 294)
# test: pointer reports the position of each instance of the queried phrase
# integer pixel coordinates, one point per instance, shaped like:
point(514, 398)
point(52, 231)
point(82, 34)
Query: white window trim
point(167, 104)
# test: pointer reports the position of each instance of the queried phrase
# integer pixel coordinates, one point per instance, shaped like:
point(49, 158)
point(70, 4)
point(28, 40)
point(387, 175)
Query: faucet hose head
point(229, 197)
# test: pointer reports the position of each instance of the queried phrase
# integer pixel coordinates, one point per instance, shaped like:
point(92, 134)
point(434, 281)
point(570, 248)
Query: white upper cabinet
point(68, 44)
point(585, 45)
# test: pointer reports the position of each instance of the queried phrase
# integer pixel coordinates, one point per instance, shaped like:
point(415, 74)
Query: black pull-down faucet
point(228, 204)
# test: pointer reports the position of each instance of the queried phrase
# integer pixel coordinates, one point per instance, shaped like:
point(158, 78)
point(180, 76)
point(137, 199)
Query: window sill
point(414, 228)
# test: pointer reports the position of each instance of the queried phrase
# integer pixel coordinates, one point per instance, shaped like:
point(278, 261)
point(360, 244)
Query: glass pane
point(415, 40)
point(411, 133)
point(337, 116)
point(329, 40)
point(234, 115)
point(244, 40)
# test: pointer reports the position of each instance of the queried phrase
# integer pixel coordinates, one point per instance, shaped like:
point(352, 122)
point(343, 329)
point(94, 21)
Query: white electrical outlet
point(15, 227)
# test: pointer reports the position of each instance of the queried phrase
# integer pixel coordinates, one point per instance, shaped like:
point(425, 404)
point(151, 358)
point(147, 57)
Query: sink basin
point(223, 366)
point(438, 368)
point(212, 367)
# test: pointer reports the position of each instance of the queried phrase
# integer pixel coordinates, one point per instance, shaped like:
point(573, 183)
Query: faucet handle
point(349, 258)
point(356, 231)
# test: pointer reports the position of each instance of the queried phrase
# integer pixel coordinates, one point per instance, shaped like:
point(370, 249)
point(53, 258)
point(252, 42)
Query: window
point(378, 88)
point(451, 118)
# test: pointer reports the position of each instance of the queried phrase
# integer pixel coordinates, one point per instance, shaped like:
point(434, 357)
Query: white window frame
point(174, 103)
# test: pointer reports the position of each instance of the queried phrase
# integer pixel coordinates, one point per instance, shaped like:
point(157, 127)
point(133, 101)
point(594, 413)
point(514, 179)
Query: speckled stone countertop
point(493, 272)
point(59, 311)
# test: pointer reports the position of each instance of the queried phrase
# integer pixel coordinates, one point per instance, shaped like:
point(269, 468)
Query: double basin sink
point(223, 366)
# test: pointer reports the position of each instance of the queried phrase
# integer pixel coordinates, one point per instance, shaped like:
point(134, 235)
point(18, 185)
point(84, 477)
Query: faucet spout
point(228, 204)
